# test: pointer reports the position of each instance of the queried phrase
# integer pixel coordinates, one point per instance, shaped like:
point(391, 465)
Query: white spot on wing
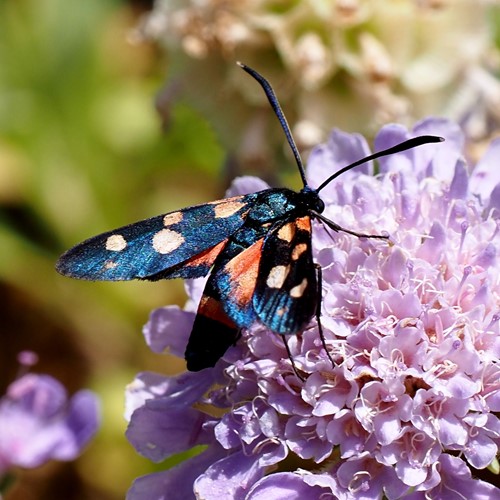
point(166, 241)
point(298, 250)
point(287, 232)
point(173, 218)
point(116, 243)
point(297, 291)
point(277, 276)
point(227, 209)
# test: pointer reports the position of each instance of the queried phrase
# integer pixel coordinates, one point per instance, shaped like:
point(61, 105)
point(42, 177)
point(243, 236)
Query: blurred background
point(113, 111)
point(82, 151)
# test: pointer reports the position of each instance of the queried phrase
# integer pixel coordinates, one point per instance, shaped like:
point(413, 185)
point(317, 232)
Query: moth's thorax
point(281, 203)
point(271, 205)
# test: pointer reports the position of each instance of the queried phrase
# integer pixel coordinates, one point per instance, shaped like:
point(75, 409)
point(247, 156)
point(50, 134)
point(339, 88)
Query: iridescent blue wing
point(178, 244)
point(286, 292)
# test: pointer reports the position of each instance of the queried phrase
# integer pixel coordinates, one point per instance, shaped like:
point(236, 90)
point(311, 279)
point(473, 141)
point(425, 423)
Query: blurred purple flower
point(413, 326)
point(38, 423)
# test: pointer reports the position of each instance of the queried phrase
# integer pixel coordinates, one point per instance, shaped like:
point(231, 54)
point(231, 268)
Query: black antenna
point(398, 148)
point(273, 100)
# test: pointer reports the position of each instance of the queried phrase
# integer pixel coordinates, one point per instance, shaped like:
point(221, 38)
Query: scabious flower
point(38, 422)
point(370, 62)
point(410, 409)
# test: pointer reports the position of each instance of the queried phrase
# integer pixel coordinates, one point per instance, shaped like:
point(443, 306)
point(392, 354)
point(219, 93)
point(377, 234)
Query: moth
point(256, 249)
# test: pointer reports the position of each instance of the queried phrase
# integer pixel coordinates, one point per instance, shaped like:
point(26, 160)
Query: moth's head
point(309, 198)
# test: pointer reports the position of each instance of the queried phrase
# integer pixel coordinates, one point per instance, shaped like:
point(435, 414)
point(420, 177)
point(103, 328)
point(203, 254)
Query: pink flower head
point(410, 407)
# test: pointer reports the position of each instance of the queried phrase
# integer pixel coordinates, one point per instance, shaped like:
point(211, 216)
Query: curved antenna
point(398, 148)
point(273, 100)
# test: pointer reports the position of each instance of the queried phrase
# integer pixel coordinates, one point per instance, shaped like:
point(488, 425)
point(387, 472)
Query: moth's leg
point(290, 357)
point(319, 292)
point(337, 228)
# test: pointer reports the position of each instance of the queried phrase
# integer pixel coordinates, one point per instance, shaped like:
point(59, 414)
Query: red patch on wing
point(304, 223)
point(207, 257)
point(243, 271)
point(212, 308)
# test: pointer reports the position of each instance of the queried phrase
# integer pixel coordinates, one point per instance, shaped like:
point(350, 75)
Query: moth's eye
point(320, 205)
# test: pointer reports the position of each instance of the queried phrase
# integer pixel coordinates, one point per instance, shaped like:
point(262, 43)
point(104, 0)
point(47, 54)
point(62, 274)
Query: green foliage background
point(82, 151)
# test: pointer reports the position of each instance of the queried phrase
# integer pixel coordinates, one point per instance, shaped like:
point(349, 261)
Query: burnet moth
point(256, 247)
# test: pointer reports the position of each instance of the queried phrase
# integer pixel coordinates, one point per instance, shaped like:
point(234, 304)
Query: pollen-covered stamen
point(463, 228)
point(116, 243)
point(444, 369)
point(166, 241)
point(359, 481)
point(426, 289)
point(410, 267)
point(467, 273)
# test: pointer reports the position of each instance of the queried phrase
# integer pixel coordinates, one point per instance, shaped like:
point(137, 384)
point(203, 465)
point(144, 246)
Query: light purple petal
point(341, 150)
point(229, 478)
point(439, 159)
point(159, 429)
point(486, 174)
point(245, 185)
point(81, 423)
point(495, 199)
point(433, 246)
point(184, 389)
point(460, 184)
point(284, 486)
point(168, 327)
point(146, 385)
point(395, 270)
point(387, 137)
point(177, 482)
point(367, 479)
point(457, 482)
point(481, 451)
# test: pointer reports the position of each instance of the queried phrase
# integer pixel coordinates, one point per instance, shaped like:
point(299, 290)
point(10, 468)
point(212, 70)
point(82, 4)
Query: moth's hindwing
point(226, 305)
point(286, 294)
point(178, 244)
point(235, 283)
point(212, 334)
